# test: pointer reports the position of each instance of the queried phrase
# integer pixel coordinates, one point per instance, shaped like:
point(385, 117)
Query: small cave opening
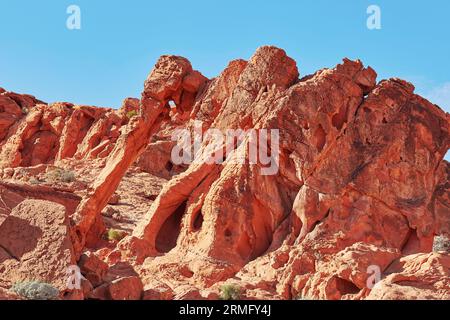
point(265, 89)
point(411, 243)
point(228, 233)
point(186, 272)
point(339, 119)
point(168, 235)
point(346, 287)
point(305, 124)
point(197, 221)
point(263, 237)
point(169, 166)
point(320, 138)
point(78, 233)
point(172, 104)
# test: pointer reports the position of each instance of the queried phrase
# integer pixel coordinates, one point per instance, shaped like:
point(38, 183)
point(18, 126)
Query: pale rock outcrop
point(415, 277)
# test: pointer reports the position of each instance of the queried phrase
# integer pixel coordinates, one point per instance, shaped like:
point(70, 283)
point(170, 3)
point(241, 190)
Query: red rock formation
point(352, 169)
point(172, 79)
point(360, 184)
point(43, 133)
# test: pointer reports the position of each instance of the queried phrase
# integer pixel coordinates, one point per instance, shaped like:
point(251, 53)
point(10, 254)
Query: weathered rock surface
point(35, 245)
point(420, 276)
point(359, 191)
point(7, 295)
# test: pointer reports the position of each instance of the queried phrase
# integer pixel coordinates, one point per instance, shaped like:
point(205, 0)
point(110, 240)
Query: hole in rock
point(411, 244)
point(305, 124)
point(339, 119)
point(169, 166)
point(186, 272)
point(244, 246)
point(79, 234)
point(167, 236)
point(227, 233)
point(263, 234)
point(319, 138)
point(346, 287)
point(198, 221)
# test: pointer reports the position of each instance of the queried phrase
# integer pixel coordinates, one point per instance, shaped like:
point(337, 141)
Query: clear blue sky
point(110, 57)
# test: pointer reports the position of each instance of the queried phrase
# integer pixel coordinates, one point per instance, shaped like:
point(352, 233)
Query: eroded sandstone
point(360, 185)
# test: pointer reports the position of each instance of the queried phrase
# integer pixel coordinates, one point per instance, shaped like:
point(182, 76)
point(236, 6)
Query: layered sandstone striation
point(360, 189)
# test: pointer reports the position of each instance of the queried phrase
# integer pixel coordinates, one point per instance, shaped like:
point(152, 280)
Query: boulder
point(423, 276)
point(36, 245)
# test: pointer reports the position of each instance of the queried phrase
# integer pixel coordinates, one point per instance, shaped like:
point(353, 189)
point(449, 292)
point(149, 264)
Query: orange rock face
point(347, 205)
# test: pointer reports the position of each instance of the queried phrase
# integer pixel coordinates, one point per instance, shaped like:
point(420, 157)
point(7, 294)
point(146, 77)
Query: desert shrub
point(115, 235)
point(35, 290)
point(61, 175)
point(131, 114)
point(34, 181)
point(441, 243)
point(230, 292)
point(67, 176)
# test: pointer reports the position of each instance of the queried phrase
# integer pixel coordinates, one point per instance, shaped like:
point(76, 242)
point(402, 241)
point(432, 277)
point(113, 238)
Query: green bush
point(35, 290)
point(230, 292)
point(131, 114)
point(67, 176)
point(34, 181)
point(115, 235)
point(61, 175)
point(441, 244)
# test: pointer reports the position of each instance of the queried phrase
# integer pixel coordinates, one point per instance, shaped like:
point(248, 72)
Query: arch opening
point(169, 232)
